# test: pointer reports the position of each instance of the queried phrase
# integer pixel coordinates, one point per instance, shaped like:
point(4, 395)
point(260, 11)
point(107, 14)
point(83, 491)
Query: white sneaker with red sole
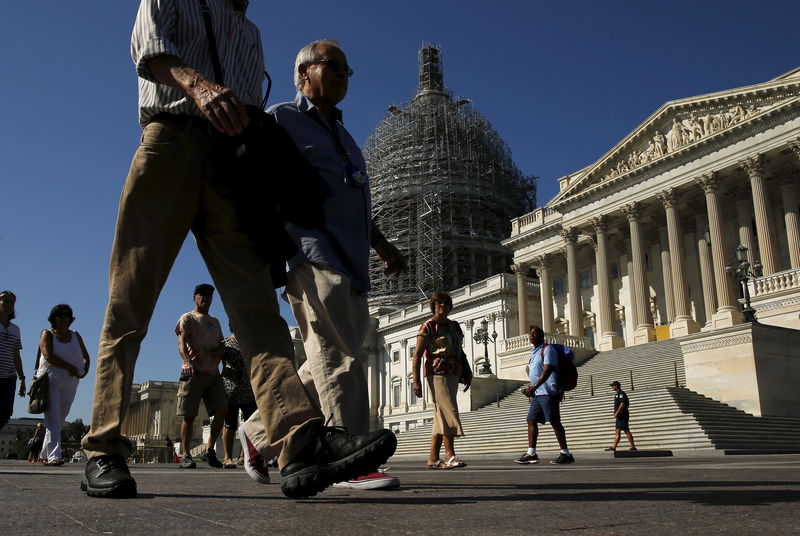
point(375, 480)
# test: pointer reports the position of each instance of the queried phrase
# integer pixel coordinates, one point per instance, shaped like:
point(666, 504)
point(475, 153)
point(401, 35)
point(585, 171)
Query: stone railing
point(775, 283)
point(523, 341)
point(533, 219)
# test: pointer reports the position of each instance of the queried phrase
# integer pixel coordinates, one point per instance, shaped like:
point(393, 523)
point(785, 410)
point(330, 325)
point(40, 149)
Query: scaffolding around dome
point(444, 189)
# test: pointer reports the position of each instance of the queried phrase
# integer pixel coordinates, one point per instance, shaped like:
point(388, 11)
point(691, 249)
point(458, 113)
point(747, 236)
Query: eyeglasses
point(336, 65)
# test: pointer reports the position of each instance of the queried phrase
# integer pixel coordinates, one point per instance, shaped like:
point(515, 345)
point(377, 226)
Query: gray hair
point(308, 54)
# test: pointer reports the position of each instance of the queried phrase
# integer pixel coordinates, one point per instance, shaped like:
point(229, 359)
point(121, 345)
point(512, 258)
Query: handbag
point(269, 180)
point(40, 389)
point(40, 394)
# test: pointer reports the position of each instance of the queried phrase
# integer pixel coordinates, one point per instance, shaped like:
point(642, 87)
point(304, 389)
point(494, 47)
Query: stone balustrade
point(775, 283)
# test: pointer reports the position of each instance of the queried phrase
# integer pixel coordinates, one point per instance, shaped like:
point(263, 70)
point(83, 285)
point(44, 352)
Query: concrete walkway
point(598, 495)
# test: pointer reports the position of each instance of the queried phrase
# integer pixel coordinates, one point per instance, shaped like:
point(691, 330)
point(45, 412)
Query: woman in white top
point(65, 362)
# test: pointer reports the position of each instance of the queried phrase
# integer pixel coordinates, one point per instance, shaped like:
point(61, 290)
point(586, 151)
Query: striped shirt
point(10, 343)
point(176, 28)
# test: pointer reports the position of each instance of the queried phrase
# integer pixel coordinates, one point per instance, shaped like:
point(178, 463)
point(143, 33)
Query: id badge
point(355, 176)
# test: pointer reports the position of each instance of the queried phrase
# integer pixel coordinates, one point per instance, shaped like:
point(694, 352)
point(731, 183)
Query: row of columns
point(720, 302)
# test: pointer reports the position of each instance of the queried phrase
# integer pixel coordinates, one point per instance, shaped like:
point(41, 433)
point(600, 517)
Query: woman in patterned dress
point(440, 340)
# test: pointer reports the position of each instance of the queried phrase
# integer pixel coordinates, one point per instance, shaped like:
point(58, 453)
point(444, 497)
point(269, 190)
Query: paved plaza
point(598, 495)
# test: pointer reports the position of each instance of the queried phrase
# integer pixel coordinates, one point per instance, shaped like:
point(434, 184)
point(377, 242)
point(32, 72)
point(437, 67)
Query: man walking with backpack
point(547, 395)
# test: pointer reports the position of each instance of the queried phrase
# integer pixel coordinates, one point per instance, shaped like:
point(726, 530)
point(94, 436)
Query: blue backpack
point(566, 370)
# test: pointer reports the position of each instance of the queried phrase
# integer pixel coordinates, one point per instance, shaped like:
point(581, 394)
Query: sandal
point(453, 463)
point(438, 464)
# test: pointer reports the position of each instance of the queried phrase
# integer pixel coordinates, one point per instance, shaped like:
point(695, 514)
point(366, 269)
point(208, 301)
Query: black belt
point(184, 120)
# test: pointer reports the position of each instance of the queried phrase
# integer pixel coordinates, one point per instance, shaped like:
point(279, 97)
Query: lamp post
point(482, 337)
point(742, 274)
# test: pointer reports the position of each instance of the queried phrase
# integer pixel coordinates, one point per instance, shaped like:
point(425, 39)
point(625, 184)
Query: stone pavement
point(598, 495)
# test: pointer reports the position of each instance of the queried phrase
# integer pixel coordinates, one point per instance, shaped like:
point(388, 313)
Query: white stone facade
point(634, 247)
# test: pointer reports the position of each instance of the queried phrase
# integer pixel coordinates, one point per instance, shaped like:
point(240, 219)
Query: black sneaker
point(187, 463)
point(633, 449)
point(334, 455)
point(609, 449)
point(211, 456)
point(108, 477)
point(563, 459)
point(528, 458)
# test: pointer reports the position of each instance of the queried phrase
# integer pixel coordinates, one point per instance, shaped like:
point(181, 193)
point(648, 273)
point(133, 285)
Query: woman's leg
point(229, 432)
point(436, 448)
point(51, 448)
point(449, 447)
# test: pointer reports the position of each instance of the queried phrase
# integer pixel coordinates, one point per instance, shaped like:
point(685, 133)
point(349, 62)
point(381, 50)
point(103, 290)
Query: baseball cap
point(614, 384)
point(204, 289)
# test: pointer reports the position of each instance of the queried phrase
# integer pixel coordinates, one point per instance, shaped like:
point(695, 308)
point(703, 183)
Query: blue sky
point(561, 82)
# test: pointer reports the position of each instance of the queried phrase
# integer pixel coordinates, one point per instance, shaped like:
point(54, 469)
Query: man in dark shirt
point(621, 415)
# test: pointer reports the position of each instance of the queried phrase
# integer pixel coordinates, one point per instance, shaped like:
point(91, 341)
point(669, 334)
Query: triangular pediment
point(679, 127)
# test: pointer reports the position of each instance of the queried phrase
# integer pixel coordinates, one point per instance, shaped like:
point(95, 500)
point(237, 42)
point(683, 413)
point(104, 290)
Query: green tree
point(71, 435)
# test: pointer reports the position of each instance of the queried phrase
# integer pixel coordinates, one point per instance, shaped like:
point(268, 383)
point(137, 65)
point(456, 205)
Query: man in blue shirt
point(328, 279)
point(546, 399)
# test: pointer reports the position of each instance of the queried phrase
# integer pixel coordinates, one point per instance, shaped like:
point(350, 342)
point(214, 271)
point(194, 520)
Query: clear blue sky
point(561, 82)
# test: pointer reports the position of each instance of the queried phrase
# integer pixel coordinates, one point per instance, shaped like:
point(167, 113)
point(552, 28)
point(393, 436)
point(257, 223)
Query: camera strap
point(219, 74)
point(212, 43)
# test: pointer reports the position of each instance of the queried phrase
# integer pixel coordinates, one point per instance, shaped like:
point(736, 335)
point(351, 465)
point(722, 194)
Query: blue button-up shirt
point(540, 356)
point(343, 242)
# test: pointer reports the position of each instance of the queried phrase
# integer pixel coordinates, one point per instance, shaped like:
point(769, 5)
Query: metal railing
point(605, 377)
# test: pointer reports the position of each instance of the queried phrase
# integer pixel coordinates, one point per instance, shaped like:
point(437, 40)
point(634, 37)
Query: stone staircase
point(663, 416)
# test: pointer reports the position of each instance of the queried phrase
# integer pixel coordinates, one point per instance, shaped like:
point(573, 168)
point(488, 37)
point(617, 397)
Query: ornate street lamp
point(742, 274)
point(482, 337)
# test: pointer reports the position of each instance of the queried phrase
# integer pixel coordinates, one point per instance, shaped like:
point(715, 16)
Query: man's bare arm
point(218, 103)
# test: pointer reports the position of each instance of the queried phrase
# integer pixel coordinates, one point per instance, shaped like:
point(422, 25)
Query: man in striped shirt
point(172, 188)
point(10, 360)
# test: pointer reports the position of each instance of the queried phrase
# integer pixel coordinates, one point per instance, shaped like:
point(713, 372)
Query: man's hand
point(22, 387)
point(393, 261)
point(529, 391)
point(218, 104)
point(416, 386)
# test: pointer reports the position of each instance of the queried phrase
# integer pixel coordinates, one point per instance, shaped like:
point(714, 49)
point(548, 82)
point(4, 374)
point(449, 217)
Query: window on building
point(396, 393)
point(412, 398)
point(396, 356)
point(558, 287)
point(411, 352)
point(586, 279)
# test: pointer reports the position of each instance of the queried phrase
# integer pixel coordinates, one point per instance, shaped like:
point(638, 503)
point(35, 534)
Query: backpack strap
point(212, 43)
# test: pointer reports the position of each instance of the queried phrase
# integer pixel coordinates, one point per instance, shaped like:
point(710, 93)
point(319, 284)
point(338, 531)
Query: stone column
point(764, 230)
point(387, 381)
point(727, 313)
point(790, 211)
point(542, 264)
point(404, 375)
point(607, 338)
point(791, 218)
point(744, 214)
point(683, 323)
point(519, 270)
point(666, 270)
point(575, 316)
point(706, 268)
point(645, 331)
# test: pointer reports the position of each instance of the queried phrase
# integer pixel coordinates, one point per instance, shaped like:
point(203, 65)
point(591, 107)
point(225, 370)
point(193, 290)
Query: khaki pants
point(333, 321)
point(168, 192)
